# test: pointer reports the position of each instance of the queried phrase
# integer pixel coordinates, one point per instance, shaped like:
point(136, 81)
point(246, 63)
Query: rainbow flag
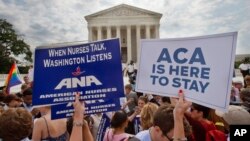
point(13, 78)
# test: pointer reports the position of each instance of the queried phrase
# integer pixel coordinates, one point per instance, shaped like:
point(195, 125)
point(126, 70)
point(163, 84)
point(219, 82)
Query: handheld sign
point(201, 66)
point(93, 70)
point(66, 110)
point(104, 125)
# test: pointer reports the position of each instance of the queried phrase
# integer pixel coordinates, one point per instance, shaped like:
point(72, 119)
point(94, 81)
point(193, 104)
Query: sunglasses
point(192, 109)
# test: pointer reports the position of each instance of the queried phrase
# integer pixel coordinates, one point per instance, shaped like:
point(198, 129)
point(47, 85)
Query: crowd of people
point(160, 118)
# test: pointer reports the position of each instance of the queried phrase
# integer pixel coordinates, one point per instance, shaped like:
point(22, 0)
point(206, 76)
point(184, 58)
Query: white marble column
point(147, 31)
point(90, 33)
point(118, 35)
point(157, 34)
point(108, 32)
point(118, 32)
point(138, 42)
point(129, 53)
point(99, 33)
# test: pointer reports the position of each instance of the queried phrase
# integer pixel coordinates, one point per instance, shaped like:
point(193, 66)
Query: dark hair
point(2, 97)
point(24, 86)
point(16, 124)
point(164, 118)
point(165, 99)
point(28, 91)
point(245, 95)
point(143, 98)
point(11, 97)
point(118, 119)
point(201, 108)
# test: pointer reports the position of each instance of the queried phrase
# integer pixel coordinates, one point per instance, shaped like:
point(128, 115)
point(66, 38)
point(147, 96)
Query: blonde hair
point(147, 115)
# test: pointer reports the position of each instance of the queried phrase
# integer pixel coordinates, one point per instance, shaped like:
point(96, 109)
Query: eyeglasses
point(170, 139)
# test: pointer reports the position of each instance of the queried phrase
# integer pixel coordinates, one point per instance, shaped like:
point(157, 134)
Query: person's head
point(12, 101)
point(147, 114)
point(142, 100)
point(238, 84)
point(128, 88)
point(26, 79)
point(16, 124)
point(245, 96)
point(163, 124)
point(247, 79)
point(90, 121)
point(199, 112)
point(24, 87)
point(27, 96)
point(236, 115)
point(165, 100)
point(119, 120)
point(157, 97)
point(131, 62)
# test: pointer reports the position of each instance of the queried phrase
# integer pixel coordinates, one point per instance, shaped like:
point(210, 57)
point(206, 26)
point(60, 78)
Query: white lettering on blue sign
point(84, 81)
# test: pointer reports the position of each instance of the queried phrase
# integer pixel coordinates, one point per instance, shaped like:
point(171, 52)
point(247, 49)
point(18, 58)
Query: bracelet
point(180, 139)
point(78, 123)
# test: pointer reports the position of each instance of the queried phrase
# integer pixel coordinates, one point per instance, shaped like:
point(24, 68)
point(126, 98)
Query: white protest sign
point(201, 66)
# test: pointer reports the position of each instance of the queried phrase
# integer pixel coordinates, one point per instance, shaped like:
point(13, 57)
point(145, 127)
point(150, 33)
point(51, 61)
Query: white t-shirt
point(243, 67)
point(131, 68)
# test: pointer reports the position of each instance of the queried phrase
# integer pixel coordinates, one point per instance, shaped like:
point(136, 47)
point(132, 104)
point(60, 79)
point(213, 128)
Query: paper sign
point(104, 125)
point(201, 66)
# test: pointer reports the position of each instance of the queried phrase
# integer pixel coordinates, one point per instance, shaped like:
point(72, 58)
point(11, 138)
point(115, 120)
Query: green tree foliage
point(11, 44)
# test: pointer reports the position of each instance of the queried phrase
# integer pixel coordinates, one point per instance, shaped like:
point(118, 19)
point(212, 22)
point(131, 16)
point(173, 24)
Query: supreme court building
point(126, 22)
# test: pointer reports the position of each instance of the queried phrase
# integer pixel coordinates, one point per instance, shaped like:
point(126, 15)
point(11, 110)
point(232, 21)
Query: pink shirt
point(109, 136)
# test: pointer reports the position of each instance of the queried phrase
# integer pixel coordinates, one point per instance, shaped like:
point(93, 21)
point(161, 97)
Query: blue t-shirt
point(144, 135)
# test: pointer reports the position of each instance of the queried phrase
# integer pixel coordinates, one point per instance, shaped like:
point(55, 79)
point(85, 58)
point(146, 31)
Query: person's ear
point(157, 129)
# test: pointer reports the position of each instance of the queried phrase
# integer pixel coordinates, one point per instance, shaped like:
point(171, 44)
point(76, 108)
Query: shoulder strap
point(47, 126)
point(108, 135)
point(123, 139)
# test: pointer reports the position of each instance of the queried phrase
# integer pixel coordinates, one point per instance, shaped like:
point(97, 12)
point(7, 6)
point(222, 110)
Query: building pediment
point(123, 10)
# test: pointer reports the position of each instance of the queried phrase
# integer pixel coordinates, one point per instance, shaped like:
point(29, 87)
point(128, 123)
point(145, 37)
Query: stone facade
point(126, 22)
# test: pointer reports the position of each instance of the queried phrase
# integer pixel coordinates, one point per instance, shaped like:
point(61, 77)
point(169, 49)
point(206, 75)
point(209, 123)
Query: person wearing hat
point(236, 115)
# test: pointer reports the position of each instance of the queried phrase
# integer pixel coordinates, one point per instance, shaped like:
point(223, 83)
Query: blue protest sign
point(104, 125)
point(93, 70)
point(66, 110)
point(137, 124)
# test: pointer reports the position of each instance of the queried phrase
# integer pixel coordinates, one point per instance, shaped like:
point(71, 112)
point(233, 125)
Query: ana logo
point(75, 82)
point(77, 72)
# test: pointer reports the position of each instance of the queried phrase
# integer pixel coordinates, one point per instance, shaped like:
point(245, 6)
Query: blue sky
point(54, 21)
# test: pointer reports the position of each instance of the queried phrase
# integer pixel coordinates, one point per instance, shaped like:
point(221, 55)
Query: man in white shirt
point(131, 68)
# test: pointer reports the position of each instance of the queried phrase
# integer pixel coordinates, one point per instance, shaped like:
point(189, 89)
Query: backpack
point(215, 135)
